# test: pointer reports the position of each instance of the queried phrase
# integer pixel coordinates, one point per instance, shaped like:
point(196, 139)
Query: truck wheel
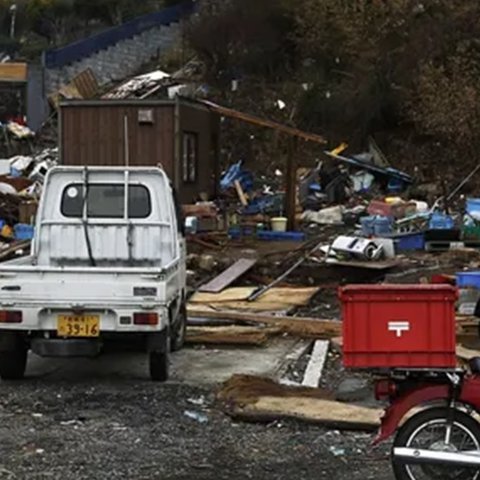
point(179, 329)
point(427, 430)
point(159, 366)
point(13, 364)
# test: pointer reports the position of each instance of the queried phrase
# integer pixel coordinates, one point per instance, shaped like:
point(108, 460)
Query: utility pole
point(13, 11)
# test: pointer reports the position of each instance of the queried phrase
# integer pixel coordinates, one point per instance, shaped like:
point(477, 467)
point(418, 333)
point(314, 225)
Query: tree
point(51, 18)
point(243, 37)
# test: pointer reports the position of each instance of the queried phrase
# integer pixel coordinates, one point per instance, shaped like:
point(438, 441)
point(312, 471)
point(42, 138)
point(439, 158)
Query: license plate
point(78, 326)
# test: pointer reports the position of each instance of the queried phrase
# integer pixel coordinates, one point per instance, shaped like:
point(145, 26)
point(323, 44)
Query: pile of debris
point(21, 182)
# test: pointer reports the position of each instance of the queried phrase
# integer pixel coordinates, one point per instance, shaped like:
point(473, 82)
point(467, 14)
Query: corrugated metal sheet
point(110, 244)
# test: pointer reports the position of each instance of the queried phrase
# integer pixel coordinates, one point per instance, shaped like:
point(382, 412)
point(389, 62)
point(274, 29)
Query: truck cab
point(106, 270)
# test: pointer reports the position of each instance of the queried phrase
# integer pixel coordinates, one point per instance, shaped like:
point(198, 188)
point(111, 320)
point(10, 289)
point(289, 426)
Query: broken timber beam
point(228, 276)
point(297, 326)
point(230, 335)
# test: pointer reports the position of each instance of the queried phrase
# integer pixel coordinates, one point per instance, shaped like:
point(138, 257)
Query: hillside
point(402, 71)
point(41, 24)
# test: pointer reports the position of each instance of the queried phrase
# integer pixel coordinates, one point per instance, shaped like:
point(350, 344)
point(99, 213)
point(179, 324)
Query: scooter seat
point(474, 365)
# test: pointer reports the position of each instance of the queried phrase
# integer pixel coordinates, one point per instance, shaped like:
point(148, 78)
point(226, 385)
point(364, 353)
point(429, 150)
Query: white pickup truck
point(106, 269)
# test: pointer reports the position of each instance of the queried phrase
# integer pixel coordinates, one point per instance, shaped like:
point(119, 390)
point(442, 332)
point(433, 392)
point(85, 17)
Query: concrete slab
point(195, 366)
point(209, 366)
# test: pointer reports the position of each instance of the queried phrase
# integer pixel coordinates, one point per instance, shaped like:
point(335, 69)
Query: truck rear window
point(106, 201)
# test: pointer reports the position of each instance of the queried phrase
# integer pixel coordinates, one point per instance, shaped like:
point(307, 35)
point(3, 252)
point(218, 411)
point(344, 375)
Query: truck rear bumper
point(88, 347)
point(66, 348)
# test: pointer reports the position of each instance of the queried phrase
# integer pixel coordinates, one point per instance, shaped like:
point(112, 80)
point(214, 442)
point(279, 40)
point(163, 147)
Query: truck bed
point(25, 285)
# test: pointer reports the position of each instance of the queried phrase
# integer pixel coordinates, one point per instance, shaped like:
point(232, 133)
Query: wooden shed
point(181, 136)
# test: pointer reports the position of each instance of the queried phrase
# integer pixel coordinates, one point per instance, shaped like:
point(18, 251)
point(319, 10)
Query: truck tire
point(13, 364)
point(159, 366)
point(179, 330)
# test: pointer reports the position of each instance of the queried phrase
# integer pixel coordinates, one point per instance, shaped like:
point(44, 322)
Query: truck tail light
point(145, 318)
point(385, 389)
point(7, 316)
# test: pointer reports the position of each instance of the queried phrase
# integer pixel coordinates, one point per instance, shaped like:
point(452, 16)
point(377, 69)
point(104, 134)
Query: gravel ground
point(138, 430)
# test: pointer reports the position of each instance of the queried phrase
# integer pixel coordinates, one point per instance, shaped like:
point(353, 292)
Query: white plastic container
point(279, 224)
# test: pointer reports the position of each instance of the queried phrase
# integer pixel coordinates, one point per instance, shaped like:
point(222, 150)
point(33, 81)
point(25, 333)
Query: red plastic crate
point(398, 326)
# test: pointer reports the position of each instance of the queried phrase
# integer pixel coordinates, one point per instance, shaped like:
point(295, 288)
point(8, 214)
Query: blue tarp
point(236, 172)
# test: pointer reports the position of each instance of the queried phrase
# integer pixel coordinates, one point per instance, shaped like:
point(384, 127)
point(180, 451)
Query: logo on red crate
point(399, 327)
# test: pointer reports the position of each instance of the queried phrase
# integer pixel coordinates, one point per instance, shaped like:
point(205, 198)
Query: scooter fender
point(469, 395)
point(402, 405)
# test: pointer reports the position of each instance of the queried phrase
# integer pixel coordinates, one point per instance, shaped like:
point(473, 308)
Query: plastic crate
point(468, 280)
point(398, 326)
point(281, 236)
point(473, 205)
point(440, 221)
point(23, 231)
point(409, 241)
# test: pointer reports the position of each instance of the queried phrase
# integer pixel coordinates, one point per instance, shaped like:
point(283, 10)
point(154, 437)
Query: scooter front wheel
point(438, 444)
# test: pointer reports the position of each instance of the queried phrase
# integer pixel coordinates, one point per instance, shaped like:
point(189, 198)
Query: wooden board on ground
point(227, 277)
point(255, 399)
point(466, 354)
point(276, 299)
point(231, 335)
point(314, 369)
point(297, 326)
point(380, 265)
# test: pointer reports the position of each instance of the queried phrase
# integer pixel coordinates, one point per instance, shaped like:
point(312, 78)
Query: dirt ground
point(79, 423)
point(85, 421)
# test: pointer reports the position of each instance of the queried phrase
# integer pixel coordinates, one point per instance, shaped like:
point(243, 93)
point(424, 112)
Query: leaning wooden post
point(291, 178)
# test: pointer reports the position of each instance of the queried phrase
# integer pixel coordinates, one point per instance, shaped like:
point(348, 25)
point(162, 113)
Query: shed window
point(106, 201)
point(190, 157)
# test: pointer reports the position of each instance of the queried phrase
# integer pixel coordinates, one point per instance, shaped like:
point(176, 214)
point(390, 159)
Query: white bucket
point(279, 224)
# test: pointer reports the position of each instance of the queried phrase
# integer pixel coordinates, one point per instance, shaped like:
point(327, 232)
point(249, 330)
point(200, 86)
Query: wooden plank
point(231, 335)
point(466, 353)
point(291, 193)
point(276, 299)
point(227, 277)
point(240, 193)
point(258, 399)
point(381, 265)
point(261, 122)
point(315, 366)
point(202, 210)
point(86, 83)
point(311, 410)
point(301, 327)
point(13, 72)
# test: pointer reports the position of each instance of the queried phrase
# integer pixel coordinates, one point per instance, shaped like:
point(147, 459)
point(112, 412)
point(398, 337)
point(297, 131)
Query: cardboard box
point(27, 211)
